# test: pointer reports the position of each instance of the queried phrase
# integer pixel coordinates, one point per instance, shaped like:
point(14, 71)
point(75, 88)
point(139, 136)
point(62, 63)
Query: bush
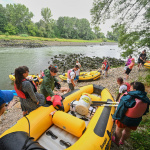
point(6, 33)
point(1, 33)
point(147, 79)
point(24, 35)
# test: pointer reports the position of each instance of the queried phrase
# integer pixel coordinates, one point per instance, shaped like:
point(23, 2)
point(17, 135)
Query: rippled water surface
point(37, 58)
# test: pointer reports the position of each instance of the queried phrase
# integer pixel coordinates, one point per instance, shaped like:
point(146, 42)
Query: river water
point(37, 58)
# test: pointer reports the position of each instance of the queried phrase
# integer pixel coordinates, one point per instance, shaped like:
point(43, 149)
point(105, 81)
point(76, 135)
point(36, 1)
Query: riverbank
point(33, 42)
point(15, 113)
point(37, 43)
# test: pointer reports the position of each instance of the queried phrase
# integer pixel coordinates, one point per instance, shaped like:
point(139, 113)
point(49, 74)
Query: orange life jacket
point(134, 111)
point(138, 110)
point(23, 94)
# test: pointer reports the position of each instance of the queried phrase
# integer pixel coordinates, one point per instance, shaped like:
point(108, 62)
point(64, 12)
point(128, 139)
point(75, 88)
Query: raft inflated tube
point(69, 123)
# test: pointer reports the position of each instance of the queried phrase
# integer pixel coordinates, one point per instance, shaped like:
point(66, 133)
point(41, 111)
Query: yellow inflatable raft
point(64, 130)
point(84, 76)
point(147, 65)
point(12, 77)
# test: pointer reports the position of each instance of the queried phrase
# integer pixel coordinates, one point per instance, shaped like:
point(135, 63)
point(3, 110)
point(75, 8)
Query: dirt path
point(15, 113)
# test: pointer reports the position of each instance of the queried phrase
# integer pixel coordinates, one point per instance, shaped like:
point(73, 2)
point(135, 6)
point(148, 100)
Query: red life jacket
point(128, 86)
point(106, 64)
point(138, 110)
point(23, 94)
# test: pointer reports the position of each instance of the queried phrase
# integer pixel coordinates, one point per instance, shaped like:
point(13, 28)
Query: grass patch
point(26, 37)
point(140, 137)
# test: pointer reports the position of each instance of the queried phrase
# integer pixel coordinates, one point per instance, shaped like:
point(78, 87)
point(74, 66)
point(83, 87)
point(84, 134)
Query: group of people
point(133, 100)
point(133, 103)
point(27, 90)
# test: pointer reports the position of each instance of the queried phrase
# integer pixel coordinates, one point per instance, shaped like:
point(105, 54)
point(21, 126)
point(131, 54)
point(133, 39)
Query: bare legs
point(121, 134)
point(140, 66)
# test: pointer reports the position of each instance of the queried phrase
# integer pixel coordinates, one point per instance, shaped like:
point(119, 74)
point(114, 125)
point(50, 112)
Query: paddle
point(104, 103)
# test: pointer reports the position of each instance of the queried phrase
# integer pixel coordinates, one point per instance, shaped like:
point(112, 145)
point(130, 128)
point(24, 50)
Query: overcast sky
point(72, 8)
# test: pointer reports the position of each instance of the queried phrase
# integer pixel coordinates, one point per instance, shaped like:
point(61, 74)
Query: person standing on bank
point(48, 83)
point(124, 87)
point(128, 115)
point(141, 59)
point(129, 68)
point(26, 90)
point(70, 77)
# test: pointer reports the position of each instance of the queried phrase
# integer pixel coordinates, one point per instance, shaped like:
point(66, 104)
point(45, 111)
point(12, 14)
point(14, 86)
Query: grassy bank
point(23, 37)
point(140, 138)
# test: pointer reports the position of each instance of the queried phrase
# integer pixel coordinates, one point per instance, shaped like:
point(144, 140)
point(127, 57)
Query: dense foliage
point(16, 20)
point(132, 21)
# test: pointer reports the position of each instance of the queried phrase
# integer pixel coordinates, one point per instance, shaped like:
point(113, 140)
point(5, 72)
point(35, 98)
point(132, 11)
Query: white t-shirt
point(78, 64)
point(122, 88)
point(72, 75)
point(77, 72)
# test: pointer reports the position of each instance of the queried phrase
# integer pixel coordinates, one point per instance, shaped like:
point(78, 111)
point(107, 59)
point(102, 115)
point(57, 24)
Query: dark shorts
point(121, 125)
point(71, 87)
point(128, 71)
point(141, 61)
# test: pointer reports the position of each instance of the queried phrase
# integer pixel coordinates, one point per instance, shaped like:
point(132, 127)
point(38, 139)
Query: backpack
point(128, 86)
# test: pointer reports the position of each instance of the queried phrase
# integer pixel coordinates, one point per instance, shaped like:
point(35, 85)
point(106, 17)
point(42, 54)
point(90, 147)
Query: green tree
point(98, 32)
point(18, 15)
point(47, 22)
point(134, 33)
point(3, 20)
point(12, 30)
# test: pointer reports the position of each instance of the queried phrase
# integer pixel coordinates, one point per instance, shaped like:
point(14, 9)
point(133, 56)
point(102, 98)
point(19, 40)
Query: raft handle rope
point(50, 133)
point(63, 143)
point(25, 146)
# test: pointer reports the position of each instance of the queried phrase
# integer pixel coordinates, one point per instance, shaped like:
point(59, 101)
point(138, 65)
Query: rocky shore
point(65, 62)
point(37, 43)
point(14, 113)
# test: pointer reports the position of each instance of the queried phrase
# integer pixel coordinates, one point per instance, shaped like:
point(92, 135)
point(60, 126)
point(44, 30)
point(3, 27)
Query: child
point(129, 112)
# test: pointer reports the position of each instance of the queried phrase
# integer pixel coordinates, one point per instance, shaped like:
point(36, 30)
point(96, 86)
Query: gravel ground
point(14, 113)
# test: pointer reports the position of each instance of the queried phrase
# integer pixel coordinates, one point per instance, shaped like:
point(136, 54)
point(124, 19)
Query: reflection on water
point(37, 58)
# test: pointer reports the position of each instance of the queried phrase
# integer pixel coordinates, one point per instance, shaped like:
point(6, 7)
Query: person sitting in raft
point(5, 96)
point(127, 63)
point(124, 87)
point(70, 77)
point(27, 92)
point(129, 68)
point(129, 112)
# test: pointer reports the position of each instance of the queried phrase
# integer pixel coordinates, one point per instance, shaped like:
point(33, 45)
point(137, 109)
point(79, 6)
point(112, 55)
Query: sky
point(59, 8)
